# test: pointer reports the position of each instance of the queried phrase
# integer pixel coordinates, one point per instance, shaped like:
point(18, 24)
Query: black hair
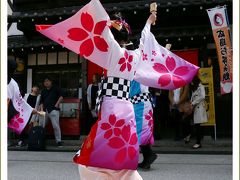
point(48, 78)
point(121, 35)
point(98, 77)
point(12, 66)
point(35, 85)
point(195, 83)
point(130, 46)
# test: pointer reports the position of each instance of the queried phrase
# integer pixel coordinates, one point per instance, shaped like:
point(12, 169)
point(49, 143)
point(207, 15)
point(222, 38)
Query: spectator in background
point(162, 107)
point(33, 99)
point(186, 110)
point(176, 98)
point(198, 106)
point(91, 99)
point(160, 111)
point(156, 112)
point(51, 97)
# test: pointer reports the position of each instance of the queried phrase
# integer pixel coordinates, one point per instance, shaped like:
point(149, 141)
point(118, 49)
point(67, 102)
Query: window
point(68, 78)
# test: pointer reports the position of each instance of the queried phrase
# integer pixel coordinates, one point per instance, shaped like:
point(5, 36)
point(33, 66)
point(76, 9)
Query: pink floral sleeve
point(160, 68)
point(85, 33)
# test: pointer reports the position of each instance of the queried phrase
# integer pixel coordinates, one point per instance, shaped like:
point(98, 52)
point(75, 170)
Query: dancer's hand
point(34, 111)
point(41, 113)
point(168, 46)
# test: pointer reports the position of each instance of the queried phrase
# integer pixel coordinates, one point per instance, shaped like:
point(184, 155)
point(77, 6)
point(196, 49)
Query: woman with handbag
point(199, 111)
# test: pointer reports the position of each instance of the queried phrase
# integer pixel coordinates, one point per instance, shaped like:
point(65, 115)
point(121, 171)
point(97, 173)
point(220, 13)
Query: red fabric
point(87, 146)
point(189, 55)
point(92, 69)
point(42, 27)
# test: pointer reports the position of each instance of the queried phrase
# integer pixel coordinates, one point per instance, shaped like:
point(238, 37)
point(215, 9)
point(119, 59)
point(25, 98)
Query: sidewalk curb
point(165, 146)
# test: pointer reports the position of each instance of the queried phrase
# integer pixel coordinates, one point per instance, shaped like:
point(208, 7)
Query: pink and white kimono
point(22, 108)
point(112, 144)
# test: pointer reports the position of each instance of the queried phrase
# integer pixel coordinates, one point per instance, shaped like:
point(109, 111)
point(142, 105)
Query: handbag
point(186, 107)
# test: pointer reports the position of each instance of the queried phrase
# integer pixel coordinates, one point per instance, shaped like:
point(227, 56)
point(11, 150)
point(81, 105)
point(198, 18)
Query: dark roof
point(22, 42)
point(177, 23)
point(116, 6)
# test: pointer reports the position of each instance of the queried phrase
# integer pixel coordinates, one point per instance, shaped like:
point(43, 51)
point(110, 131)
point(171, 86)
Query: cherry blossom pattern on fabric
point(171, 73)
point(120, 137)
point(19, 101)
point(145, 57)
point(125, 62)
point(90, 34)
point(149, 118)
point(15, 121)
point(113, 127)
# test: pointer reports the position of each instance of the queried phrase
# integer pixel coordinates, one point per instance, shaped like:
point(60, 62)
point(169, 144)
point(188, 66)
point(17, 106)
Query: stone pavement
point(164, 146)
point(29, 165)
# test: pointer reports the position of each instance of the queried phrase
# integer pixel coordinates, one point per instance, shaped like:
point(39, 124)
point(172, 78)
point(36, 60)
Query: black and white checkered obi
point(113, 86)
point(141, 98)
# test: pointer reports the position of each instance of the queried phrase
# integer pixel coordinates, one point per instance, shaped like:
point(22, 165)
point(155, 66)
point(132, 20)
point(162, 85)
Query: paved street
point(25, 165)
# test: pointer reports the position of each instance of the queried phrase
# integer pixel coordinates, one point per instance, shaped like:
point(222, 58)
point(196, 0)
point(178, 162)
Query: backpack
point(36, 139)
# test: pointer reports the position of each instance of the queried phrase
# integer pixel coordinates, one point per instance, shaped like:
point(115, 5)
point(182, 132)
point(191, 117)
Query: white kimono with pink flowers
point(23, 109)
point(112, 142)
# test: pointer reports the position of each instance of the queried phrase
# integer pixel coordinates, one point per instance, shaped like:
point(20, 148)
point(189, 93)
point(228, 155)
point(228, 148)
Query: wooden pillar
point(83, 116)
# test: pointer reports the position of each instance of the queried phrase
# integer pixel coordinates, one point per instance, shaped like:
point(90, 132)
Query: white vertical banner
point(217, 17)
point(220, 28)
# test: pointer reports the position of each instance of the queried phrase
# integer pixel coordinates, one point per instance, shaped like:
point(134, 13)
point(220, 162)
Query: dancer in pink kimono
point(111, 149)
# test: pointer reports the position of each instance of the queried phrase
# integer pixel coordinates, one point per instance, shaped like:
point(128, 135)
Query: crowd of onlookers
point(46, 104)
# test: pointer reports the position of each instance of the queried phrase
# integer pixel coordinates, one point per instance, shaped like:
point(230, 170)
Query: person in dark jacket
point(51, 98)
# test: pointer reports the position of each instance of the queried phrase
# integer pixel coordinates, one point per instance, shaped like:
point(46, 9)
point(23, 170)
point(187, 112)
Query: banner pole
point(215, 132)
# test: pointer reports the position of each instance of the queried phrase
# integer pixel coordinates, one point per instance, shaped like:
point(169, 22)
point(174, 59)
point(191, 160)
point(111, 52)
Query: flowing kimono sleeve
point(160, 68)
point(85, 33)
point(23, 109)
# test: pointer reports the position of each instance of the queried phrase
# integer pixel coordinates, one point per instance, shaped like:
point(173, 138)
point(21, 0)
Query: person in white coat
point(199, 111)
